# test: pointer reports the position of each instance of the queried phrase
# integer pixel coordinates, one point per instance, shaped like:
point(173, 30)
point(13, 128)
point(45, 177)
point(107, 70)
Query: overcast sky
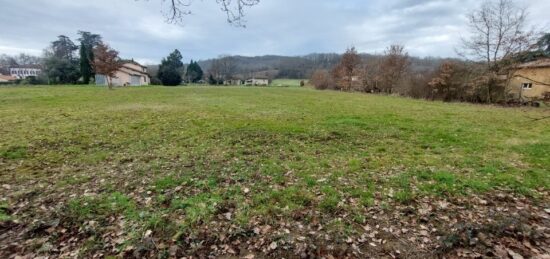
point(282, 27)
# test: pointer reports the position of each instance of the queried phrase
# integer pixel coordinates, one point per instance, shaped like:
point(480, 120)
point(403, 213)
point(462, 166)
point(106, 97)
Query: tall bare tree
point(321, 79)
point(228, 67)
point(348, 70)
point(393, 67)
point(234, 10)
point(497, 31)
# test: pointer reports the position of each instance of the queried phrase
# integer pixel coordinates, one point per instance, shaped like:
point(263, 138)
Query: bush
point(321, 79)
point(34, 80)
point(171, 77)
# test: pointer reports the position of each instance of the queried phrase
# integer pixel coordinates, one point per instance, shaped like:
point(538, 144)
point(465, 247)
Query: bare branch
point(176, 10)
point(497, 31)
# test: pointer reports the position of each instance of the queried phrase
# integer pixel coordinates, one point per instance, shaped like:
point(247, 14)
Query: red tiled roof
point(8, 78)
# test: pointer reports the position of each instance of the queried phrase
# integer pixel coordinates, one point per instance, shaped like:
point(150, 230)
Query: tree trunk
point(109, 84)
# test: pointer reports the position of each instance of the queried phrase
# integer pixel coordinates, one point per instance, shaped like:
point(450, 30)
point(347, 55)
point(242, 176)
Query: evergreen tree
point(212, 80)
point(60, 65)
point(63, 48)
point(170, 69)
point(88, 42)
point(194, 72)
point(544, 44)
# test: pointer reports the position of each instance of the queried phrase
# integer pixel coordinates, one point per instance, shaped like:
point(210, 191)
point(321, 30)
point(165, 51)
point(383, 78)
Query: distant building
point(531, 81)
point(233, 82)
point(22, 72)
point(130, 74)
point(257, 82)
point(7, 79)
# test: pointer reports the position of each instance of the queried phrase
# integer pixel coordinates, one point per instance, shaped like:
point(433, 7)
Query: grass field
point(288, 82)
point(279, 172)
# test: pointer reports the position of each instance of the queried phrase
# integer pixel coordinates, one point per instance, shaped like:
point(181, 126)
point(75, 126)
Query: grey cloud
point(286, 27)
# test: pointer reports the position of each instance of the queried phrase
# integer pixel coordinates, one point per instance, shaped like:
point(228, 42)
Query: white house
point(22, 72)
point(130, 74)
point(257, 82)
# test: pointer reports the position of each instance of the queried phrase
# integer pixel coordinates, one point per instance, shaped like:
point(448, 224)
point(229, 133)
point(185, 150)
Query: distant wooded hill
point(299, 67)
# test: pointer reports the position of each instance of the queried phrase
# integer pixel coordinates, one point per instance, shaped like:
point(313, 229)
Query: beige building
point(7, 79)
point(233, 82)
point(531, 81)
point(130, 74)
point(257, 82)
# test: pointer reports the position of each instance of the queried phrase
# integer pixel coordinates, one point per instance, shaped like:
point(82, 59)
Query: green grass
point(287, 82)
point(175, 159)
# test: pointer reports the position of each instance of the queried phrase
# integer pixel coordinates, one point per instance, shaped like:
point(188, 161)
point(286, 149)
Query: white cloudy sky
point(283, 27)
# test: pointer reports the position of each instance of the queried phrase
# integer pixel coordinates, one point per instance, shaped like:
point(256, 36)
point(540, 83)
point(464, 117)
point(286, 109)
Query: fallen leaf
point(148, 233)
point(514, 255)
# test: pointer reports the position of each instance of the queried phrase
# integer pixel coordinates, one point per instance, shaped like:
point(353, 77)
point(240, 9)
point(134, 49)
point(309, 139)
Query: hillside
point(299, 67)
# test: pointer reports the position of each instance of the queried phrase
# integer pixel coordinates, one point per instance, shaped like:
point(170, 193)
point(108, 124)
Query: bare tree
point(393, 67)
point(498, 35)
point(321, 79)
point(371, 75)
point(234, 10)
point(106, 62)
point(347, 71)
point(228, 67)
point(26, 59)
point(497, 31)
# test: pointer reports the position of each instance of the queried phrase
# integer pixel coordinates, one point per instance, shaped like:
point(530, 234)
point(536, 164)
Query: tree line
point(172, 71)
point(62, 65)
point(499, 41)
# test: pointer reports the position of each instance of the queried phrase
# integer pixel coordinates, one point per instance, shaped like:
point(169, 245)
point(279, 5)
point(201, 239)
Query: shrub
point(321, 79)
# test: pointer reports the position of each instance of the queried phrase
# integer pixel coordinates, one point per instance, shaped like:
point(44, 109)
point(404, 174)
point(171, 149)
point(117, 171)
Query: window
point(527, 85)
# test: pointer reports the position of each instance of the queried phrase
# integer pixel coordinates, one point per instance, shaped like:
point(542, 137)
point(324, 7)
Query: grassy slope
point(174, 159)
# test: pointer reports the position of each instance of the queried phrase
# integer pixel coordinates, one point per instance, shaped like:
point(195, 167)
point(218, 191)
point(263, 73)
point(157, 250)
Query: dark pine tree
point(88, 42)
point(194, 72)
point(170, 69)
point(212, 80)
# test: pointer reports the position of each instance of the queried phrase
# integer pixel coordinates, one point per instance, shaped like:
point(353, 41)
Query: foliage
point(321, 79)
point(34, 80)
point(393, 67)
point(61, 71)
point(540, 50)
point(88, 42)
point(451, 83)
point(543, 44)
point(60, 65)
point(194, 72)
point(106, 61)
point(63, 48)
point(212, 80)
point(171, 69)
point(347, 71)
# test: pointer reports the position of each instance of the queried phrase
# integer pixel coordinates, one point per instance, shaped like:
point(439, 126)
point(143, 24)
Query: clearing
point(276, 172)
